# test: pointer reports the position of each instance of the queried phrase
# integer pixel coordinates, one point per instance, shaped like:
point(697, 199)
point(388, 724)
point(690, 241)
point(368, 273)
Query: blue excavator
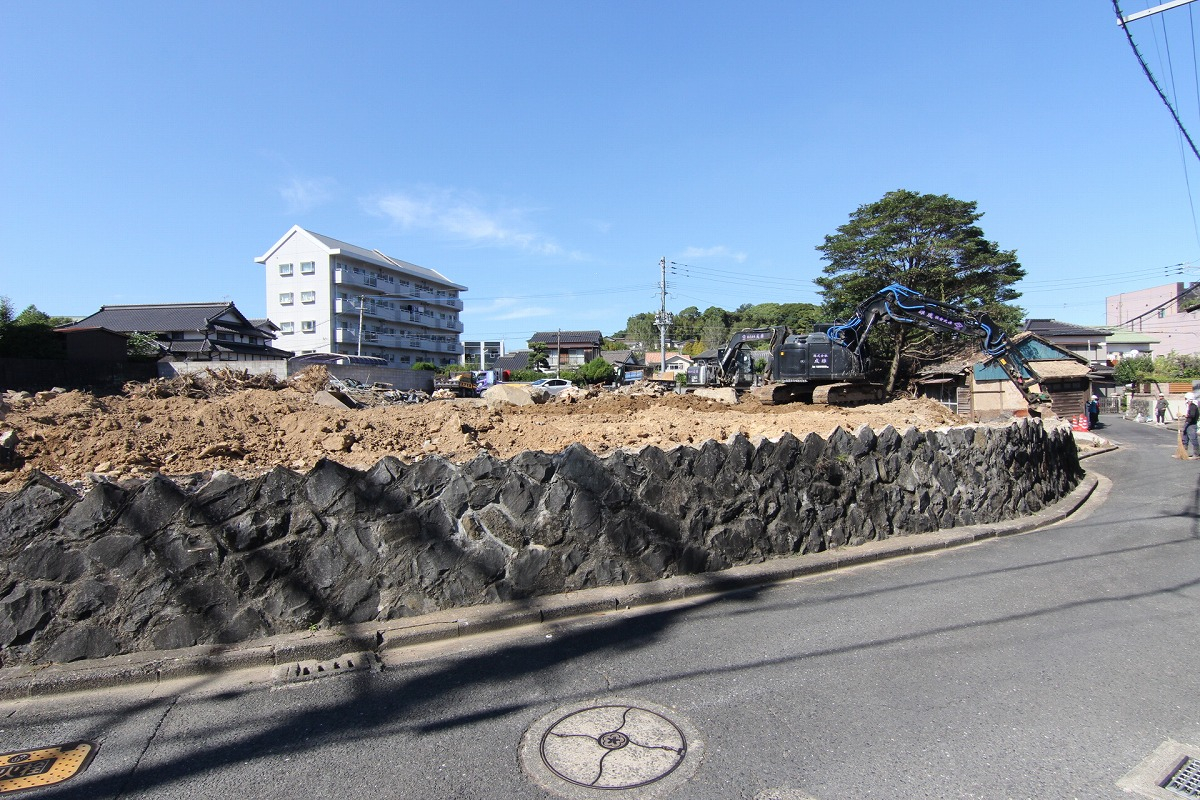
point(830, 364)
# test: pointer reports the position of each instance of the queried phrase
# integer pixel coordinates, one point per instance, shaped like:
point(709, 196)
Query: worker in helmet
point(1188, 437)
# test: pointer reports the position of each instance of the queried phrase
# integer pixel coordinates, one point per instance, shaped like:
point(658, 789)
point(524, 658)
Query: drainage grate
point(1185, 780)
point(311, 670)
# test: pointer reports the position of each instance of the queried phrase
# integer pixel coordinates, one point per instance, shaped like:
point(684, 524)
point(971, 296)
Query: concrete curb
point(380, 637)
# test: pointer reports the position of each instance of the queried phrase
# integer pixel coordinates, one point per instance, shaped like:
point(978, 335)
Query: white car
point(552, 385)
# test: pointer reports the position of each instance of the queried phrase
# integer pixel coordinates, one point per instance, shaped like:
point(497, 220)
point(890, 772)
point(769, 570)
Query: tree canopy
point(596, 371)
point(29, 334)
point(713, 327)
point(931, 244)
point(539, 355)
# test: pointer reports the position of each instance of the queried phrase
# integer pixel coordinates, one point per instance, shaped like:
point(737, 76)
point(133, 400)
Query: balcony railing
point(375, 311)
point(399, 341)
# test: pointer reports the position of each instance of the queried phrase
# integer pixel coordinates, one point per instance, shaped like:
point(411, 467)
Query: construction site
point(247, 425)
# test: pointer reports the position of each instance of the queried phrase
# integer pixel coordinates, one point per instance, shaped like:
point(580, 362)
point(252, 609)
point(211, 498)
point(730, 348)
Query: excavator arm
point(898, 303)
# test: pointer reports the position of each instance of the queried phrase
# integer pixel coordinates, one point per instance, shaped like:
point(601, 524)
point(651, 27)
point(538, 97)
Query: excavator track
point(847, 394)
point(833, 394)
point(778, 394)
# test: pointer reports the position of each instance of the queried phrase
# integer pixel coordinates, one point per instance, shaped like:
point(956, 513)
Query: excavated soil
point(249, 431)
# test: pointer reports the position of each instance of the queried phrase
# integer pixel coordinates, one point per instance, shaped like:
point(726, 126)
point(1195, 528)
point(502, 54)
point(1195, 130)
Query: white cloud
point(720, 251)
point(465, 217)
point(302, 195)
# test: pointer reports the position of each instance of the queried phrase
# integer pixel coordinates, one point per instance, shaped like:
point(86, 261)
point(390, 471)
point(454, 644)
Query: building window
point(287, 327)
point(1162, 312)
point(285, 298)
point(285, 269)
point(308, 326)
point(308, 267)
point(308, 297)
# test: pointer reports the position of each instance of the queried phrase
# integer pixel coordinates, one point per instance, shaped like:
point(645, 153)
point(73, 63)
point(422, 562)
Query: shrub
point(596, 371)
point(1133, 370)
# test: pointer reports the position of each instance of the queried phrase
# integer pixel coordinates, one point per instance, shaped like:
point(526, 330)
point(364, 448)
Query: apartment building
point(1166, 313)
point(328, 296)
point(482, 351)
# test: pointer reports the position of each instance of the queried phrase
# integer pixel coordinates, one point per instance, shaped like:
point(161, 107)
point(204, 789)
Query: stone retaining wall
point(162, 565)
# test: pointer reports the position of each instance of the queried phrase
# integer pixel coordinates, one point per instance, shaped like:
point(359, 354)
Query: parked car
point(552, 385)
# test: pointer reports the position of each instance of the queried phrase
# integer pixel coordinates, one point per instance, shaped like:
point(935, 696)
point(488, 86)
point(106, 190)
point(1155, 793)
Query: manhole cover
point(612, 748)
point(46, 766)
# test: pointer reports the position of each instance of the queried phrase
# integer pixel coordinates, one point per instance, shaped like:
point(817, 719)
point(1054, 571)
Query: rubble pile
point(206, 383)
point(206, 423)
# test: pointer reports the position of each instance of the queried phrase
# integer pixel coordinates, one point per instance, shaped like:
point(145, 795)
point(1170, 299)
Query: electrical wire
point(1153, 80)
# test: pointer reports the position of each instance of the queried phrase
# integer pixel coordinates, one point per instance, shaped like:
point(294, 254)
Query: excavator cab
point(816, 357)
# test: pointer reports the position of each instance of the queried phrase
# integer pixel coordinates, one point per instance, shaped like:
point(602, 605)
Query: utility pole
point(558, 353)
point(663, 320)
point(362, 301)
point(1122, 21)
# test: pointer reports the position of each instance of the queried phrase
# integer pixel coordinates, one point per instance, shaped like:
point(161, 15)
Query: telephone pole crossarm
point(1152, 11)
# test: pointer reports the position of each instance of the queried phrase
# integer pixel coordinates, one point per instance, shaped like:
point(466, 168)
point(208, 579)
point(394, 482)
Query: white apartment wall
point(295, 251)
point(1174, 328)
point(301, 247)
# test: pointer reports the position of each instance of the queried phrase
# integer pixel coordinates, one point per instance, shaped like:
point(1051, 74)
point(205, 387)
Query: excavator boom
point(831, 365)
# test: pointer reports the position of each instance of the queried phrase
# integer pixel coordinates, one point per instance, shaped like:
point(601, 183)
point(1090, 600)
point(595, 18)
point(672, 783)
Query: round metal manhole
point(611, 748)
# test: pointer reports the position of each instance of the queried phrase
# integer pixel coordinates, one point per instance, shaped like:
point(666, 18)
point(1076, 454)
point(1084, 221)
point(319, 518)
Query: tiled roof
point(208, 346)
point(1059, 369)
point(189, 346)
point(655, 356)
point(1053, 327)
point(512, 362)
point(615, 357)
point(87, 329)
point(157, 318)
point(337, 246)
point(567, 337)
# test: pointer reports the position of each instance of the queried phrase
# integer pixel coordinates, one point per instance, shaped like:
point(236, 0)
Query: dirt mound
point(184, 429)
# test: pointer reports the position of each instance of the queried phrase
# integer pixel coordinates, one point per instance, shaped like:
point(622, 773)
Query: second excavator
point(831, 364)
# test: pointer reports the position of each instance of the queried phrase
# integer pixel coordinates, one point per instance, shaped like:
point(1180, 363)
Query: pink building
point(1161, 312)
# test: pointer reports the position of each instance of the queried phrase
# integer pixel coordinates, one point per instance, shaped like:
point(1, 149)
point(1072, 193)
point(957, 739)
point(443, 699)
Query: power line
point(1153, 81)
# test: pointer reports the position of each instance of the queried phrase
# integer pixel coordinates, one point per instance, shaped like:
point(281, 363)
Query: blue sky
point(548, 154)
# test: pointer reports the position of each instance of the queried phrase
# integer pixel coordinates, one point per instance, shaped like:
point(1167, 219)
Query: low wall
point(173, 369)
point(162, 565)
point(400, 379)
point(41, 374)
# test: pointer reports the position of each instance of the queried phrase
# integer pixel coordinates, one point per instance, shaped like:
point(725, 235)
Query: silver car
point(552, 385)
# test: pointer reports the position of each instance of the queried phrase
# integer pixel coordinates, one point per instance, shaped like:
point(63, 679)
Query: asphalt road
point(1045, 665)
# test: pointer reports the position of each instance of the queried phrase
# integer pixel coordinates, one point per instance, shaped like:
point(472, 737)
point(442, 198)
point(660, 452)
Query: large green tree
point(640, 329)
point(929, 243)
point(29, 334)
point(539, 355)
